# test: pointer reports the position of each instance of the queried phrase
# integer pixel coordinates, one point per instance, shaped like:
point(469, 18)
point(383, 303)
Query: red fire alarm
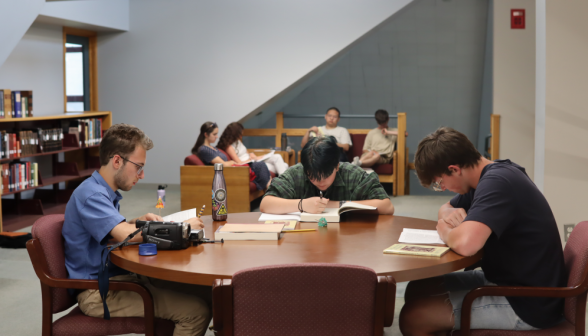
point(517, 19)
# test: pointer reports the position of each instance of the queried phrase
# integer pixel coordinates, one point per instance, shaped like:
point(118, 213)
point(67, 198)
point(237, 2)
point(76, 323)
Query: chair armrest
point(222, 307)
point(555, 292)
point(385, 301)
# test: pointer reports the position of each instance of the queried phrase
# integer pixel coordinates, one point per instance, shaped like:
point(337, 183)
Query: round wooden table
point(357, 240)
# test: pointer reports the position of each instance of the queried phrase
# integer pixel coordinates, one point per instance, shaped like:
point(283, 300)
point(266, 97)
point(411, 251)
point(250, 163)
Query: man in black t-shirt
point(500, 210)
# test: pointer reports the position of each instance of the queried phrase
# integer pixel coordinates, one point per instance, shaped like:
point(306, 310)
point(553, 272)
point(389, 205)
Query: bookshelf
point(78, 163)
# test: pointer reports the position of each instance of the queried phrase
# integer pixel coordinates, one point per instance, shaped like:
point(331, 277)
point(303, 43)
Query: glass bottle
point(219, 194)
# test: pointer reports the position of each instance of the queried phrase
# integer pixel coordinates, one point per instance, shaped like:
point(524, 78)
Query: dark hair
point(441, 149)
point(381, 116)
point(207, 127)
point(231, 134)
point(122, 139)
point(334, 108)
point(319, 157)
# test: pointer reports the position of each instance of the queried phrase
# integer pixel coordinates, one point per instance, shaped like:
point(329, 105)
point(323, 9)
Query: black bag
point(15, 241)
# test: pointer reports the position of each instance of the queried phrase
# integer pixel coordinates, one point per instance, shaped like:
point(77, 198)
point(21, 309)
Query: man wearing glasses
point(92, 218)
point(499, 210)
point(340, 133)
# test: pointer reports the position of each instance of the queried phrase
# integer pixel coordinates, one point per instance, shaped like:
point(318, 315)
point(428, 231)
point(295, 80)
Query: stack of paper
point(414, 236)
point(290, 216)
point(249, 232)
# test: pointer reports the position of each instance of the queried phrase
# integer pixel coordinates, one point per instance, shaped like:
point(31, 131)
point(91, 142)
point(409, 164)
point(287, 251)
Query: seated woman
point(210, 155)
point(230, 142)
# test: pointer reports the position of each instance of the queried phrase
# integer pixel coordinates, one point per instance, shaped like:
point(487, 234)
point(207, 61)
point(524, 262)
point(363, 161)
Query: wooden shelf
point(65, 149)
point(81, 115)
point(17, 222)
point(47, 181)
point(17, 212)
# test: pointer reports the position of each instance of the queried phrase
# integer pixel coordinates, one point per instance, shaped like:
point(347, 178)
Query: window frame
point(93, 66)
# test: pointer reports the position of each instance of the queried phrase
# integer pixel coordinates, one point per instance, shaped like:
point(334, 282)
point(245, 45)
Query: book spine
point(2, 104)
point(17, 104)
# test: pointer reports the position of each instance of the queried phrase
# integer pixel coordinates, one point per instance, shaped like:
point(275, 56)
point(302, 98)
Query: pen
point(303, 230)
point(201, 211)
point(321, 194)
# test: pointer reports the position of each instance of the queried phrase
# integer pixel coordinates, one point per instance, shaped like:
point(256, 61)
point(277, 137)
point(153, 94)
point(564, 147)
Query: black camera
point(167, 235)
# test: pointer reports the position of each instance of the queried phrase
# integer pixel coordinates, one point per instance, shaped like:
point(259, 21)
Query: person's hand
point(374, 152)
point(443, 229)
point(314, 129)
point(231, 162)
point(195, 223)
point(314, 204)
point(252, 156)
point(150, 217)
point(455, 217)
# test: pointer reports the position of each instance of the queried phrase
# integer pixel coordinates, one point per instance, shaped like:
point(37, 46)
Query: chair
point(576, 260)
point(304, 299)
point(47, 256)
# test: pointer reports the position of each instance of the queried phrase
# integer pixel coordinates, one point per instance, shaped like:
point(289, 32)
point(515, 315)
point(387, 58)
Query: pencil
point(201, 211)
point(303, 230)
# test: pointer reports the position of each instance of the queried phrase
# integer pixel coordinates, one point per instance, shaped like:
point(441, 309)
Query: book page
point(414, 236)
point(290, 216)
point(182, 216)
point(347, 206)
point(266, 156)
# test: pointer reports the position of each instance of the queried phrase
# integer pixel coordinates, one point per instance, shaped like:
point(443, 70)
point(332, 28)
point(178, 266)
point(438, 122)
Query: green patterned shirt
point(351, 184)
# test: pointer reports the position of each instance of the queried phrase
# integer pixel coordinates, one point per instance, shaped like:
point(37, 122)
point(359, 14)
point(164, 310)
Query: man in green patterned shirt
point(320, 172)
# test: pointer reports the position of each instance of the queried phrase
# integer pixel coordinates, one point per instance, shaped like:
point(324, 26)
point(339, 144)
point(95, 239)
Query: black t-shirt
point(524, 248)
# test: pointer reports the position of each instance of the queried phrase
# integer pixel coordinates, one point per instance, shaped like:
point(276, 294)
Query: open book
point(262, 158)
point(333, 215)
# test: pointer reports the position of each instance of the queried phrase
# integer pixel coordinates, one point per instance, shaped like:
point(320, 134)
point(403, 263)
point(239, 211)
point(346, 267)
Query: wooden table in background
point(357, 240)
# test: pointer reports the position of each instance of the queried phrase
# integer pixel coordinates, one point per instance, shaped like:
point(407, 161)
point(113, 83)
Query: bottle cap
point(147, 249)
point(162, 187)
point(218, 166)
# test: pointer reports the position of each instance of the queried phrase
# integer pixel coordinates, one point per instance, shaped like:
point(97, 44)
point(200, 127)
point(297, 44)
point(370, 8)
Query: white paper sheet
point(182, 216)
point(291, 216)
point(414, 236)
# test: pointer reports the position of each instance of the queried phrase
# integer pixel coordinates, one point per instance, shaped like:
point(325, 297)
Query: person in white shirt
point(379, 143)
point(230, 142)
point(340, 133)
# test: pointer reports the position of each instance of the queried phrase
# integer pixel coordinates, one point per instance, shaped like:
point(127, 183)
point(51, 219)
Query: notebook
point(249, 232)
point(333, 215)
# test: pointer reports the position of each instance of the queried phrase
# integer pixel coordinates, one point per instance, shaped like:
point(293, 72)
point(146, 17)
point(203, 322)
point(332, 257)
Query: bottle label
point(222, 210)
point(220, 195)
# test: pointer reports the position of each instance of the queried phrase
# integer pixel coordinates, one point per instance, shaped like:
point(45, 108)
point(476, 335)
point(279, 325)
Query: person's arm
point(146, 217)
point(344, 146)
point(466, 239)
point(123, 230)
point(225, 163)
point(307, 135)
point(277, 205)
point(233, 154)
point(452, 216)
point(384, 206)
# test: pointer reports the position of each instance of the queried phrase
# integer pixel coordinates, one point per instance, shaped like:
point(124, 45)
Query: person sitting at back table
point(340, 133)
point(379, 143)
point(230, 142)
point(321, 171)
point(499, 210)
point(211, 155)
point(92, 218)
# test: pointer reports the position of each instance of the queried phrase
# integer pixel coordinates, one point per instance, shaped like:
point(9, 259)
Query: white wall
point(183, 64)
point(566, 154)
point(17, 17)
point(514, 82)
point(36, 63)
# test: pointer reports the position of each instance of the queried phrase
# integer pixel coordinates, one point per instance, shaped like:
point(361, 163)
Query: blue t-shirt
point(524, 248)
point(207, 154)
point(90, 215)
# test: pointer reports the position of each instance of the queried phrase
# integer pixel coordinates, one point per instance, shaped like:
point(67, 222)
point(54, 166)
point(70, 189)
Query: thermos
point(161, 192)
point(219, 194)
point(284, 141)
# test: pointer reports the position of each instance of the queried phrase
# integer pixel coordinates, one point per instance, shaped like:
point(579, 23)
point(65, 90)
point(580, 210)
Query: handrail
point(341, 116)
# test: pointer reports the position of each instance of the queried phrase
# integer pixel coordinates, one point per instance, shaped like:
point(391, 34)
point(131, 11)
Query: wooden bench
point(396, 173)
point(196, 184)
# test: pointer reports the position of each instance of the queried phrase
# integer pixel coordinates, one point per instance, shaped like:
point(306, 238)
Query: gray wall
point(427, 60)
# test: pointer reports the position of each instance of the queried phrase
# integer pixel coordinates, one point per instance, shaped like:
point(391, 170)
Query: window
point(79, 66)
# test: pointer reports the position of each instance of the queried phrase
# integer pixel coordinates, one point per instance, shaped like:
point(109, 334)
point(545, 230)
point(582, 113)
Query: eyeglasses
point(139, 171)
point(436, 186)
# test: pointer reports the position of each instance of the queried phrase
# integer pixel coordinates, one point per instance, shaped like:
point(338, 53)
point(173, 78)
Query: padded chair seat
point(386, 169)
point(77, 324)
point(563, 329)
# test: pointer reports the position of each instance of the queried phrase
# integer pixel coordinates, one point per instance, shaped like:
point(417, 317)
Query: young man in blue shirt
point(499, 210)
point(92, 218)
